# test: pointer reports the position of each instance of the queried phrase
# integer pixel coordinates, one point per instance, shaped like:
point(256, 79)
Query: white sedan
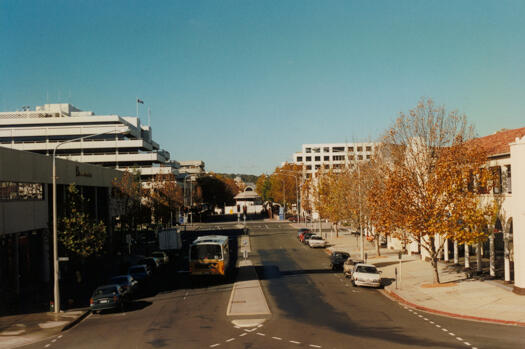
point(366, 275)
point(316, 241)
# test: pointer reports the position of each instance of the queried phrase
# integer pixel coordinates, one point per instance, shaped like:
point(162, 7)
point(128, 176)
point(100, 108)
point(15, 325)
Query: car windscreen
point(366, 269)
point(137, 270)
point(206, 252)
point(119, 280)
point(316, 238)
point(105, 290)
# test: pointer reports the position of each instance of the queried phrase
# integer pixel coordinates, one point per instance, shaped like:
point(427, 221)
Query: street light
point(191, 196)
point(55, 240)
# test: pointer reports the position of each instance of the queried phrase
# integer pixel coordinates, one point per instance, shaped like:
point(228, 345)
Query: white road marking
point(259, 325)
point(53, 341)
point(438, 326)
point(237, 327)
point(444, 330)
point(279, 339)
point(432, 322)
point(214, 345)
point(47, 345)
point(315, 346)
point(467, 343)
point(425, 319)
point(59, 336)
point(261, 334)
point(420, 315)
point(243, 334)
point(229, 340)
point(267, 227)
point(459, 338)
point(294, 342)
point(452, 334)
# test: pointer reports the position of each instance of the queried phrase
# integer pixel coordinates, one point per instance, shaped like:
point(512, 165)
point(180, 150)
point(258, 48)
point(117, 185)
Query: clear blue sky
point(242, 84)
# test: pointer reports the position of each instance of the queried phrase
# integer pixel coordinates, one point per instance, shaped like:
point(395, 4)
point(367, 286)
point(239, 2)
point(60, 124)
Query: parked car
point(366, 275)
point(161, 256)
point(139, 272)
point(316, 241)
point(151, 262)
point(127, 282)
point(301, 231)
point(337, 259)
point(348, 266)
point(109, 297)
point(305, 236)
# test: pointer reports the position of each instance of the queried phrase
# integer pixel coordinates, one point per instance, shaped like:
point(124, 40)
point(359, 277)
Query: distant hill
point(246, 178)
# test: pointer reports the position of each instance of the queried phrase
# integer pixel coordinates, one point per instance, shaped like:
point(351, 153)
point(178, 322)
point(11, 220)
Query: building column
point(492, 264)
point(506, 254)
point(467, 256)
point(517, 160)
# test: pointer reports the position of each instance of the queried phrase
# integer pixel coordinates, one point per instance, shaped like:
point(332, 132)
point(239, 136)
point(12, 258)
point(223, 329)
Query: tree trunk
point(456, 253)
point(378, 247)
point(336, 230)
point(467, 257)
point(478, 257)
point(434, 262)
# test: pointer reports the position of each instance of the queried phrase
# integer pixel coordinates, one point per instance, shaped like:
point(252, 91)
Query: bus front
point(206, 259)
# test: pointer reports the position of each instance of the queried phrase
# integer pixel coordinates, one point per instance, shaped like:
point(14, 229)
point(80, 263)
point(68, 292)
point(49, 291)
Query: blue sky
point(242, 84)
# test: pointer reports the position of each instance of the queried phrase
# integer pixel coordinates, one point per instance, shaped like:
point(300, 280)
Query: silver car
point(366, 275)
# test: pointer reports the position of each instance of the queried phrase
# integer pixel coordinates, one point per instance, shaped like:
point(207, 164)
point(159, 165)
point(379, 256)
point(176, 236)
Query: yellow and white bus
point(210, 255)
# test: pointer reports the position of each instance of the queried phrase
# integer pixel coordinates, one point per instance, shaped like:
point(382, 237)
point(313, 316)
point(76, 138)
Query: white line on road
point(54, 340)
point(59, 336)
point(432, 322)
point(315, 346)
point(214, 345)
point(295, 342)
point(438, 326)
point(459, 338)
point(452, 334)
point(231, 339)
point(444, 330)
point(243, 334)
point(279, 339)
point(467, 343)
point(47, 345)
point(425, 319)
point(420, 315)
point(261, 334)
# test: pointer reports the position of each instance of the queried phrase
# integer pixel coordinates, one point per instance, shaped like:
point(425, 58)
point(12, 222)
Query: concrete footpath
point(457, 295)
point(24, 329)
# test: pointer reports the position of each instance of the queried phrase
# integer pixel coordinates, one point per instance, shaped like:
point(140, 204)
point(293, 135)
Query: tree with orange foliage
point(129, 194)
point(167, 193)
point(427, 191)
point(284, 183)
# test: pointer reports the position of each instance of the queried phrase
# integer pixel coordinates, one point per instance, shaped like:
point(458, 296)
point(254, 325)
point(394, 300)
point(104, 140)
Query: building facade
point(331, 156)
point(124, 144)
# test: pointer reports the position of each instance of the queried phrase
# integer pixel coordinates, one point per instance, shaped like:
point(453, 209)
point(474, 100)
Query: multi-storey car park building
point(125, 144)
point(331, 156)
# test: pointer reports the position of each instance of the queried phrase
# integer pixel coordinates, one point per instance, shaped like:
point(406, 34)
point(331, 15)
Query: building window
point(351, 157)
point(15, 191)
point(338, 149)
point(351, 149)
point(317, 167)
point(509, 180)
point(368, 157)
point(326, 167)
point(316, 150)
point(368, 148)
point(317, 158)
point(326, 158)
point(360, 157)
point(338, 165)
point(359, 148)
point(326, 149)
point(496, 179)
point(308, 158)
point(299, 158)
point(308, 150)
point(308, 167)
point(338, 157)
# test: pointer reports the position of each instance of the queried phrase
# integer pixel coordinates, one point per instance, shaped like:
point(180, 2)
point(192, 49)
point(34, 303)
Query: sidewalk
point(456, 296)
point(24, 329)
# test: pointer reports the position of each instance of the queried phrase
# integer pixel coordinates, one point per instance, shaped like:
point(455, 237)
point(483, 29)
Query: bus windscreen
point(206, 252)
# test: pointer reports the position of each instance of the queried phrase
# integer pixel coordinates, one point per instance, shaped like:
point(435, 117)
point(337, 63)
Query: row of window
point(337, 149)
point(334, 158)
point(15, 191)
point(325, 166)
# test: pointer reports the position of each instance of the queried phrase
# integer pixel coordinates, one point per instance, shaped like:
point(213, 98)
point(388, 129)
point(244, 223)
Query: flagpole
point(137, 101)
point(149, 117)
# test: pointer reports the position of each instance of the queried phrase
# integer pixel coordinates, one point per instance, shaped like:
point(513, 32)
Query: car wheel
point(353, 283)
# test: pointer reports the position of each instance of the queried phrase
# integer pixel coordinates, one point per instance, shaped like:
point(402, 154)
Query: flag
point(140, 101)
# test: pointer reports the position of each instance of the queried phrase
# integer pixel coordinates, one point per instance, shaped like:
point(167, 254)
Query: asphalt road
point(312, 307)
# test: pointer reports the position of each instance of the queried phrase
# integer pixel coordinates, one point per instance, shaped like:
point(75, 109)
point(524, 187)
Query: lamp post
point(55, 239)
point(191, 196)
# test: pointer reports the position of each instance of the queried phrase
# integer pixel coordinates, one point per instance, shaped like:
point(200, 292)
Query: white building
point(126, 143)
point(332, 156)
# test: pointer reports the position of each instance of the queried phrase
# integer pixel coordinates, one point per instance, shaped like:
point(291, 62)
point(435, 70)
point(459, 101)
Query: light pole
point(191, 196)
point(55, 239)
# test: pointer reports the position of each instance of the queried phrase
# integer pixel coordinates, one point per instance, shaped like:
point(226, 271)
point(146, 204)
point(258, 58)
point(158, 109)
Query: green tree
point(263, 187)
point(78, 232)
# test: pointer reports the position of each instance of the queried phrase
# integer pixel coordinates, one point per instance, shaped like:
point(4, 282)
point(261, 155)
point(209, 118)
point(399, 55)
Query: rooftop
point(498, 143)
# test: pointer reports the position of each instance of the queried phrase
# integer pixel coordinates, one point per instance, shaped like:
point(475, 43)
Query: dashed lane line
point(261, 334)
point(243, 334)
point(277, 338)
point(229, 340)
point(295, 342)
point(315, 346)
point(214, 345)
